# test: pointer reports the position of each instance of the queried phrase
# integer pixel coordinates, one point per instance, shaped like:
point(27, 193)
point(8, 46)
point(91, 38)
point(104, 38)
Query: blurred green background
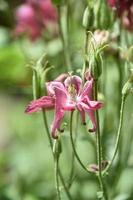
point(26, 163)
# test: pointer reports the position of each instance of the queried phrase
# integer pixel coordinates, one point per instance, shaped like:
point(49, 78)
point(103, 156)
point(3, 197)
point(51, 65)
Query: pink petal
point(69, 106)
point(60, 100)
point(62, 77)
point(82, 113)
point(73, 80)
point(87, 89)
point(43, 102)
point(51, 85)
point(91, 114)
point(93, 105)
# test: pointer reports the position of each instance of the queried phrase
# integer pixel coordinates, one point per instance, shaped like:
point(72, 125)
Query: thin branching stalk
point(73, 155)
point(118, 134)
point(47, 129)
point(99, 146)
point(51, 145)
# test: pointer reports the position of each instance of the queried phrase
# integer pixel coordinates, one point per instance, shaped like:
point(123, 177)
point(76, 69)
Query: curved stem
point(64, 185)
point(71, 178)
point(99, 147)
point(73, 146)
point(118, 134)
point(47, 129)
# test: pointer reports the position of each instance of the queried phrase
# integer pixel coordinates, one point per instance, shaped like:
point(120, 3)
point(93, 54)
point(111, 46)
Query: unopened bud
point(101, 37)
point(128, 87)
point(57, 148)
point(102, 15)
point(88, 18)
point(129, 69)
point(95, 65)
point(42, 64)
point(93, 168)
point(40, 69)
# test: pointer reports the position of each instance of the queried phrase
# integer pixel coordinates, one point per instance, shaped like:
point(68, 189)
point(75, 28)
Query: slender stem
point(99, 147)
point(63, 39)
point(86, 53)
point(118, 134)
point(73, 146)
point(47, 129)
point(73, 155)
point(64, 185)
point(56, 166)
point(51, 145)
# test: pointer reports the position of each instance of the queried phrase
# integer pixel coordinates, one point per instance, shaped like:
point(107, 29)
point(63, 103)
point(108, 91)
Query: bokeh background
point(26, 163)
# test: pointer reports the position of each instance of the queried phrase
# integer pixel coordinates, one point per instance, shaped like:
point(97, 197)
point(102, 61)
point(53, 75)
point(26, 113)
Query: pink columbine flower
point(33, 17)
point(124, 9)
point(67, 96)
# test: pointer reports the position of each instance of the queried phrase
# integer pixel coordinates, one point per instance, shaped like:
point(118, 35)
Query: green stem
point(99, 146)
point(73, 146)
point(73, 155)
point(118, 134)
point(64, 185)
point(56, 166)
point(51, 145)
point(47, 129)
point(86, 64)
point(63, 39)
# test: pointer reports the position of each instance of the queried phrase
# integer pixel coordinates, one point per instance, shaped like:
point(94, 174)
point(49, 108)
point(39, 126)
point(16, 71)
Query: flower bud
point(128, 87)
point(40, 69)
point(102, 15)
point(36, 85)
point(95, 65)
point(101, 37)
point(42, 64)
point(93, 168)
point(88, 18)
point(129, 69)
point(57, 148)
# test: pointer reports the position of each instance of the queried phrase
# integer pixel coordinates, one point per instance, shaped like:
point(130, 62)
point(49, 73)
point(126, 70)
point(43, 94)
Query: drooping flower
point(112, 3)
point(33, 17)
point(67, 96)
point(124, 9)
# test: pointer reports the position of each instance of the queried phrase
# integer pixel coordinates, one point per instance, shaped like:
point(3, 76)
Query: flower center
point(72, 92)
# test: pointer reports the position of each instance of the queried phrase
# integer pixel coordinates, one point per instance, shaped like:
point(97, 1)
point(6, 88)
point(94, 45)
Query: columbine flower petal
point(60, 100)
point(43, 102)
point(52, 85)
point(92, 118)
point(93, 105)
point(87, 89)
point(82, 113)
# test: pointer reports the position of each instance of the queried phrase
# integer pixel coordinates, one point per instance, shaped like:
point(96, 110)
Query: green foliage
point(57, 2)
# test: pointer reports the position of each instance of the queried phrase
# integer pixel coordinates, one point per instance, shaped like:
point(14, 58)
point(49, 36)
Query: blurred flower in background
point(33, 17)
point(124, 10)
